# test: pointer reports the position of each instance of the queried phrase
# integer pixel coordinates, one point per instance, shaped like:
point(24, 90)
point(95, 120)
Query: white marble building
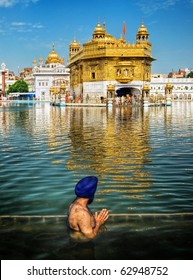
point(182, 87)
point(51, 74)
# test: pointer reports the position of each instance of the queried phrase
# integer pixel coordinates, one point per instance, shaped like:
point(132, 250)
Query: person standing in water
point(80, 218)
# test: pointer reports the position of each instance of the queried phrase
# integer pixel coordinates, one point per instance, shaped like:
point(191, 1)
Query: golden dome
point(109, 38)
point(169, 86)
point(75, 44)
point(99, 29)
point(142, 29)
point(146, 87)
point(53, 57)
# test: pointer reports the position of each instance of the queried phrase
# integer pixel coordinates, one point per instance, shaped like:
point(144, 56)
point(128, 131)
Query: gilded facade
point(108, 67)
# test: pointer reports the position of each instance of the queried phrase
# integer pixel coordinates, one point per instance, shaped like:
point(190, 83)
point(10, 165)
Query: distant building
point(159, 75)
point(25, 72)
point(182, 73)
point(7, 78)
point(51, 74)
point(182, 88)
point(179, 74)
point(27, 75)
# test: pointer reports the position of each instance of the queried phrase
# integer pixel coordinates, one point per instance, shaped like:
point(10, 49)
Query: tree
point(19, 86)
point(190, 75)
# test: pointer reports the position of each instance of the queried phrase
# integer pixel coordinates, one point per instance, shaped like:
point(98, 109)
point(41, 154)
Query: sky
point(28, 28)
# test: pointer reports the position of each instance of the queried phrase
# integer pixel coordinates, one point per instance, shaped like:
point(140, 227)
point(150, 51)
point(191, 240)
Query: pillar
point(52, 94)
point(3, 66)
point(145, 95)
point(168, 92)
point(3, 82)
point(110, 94)
point(63, 92)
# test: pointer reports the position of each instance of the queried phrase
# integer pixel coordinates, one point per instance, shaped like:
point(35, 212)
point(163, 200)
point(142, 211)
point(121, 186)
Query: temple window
point(126, 72)
point(93, 75)
point(118, 72)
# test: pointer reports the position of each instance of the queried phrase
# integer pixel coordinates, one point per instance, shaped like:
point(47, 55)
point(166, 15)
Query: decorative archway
point(131, 91)
point(124, 92)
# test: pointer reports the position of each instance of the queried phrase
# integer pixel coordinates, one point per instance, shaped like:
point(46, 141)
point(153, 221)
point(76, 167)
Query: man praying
point(80, 218)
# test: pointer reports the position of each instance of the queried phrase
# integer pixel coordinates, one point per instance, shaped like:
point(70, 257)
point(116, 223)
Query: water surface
point(142, 157)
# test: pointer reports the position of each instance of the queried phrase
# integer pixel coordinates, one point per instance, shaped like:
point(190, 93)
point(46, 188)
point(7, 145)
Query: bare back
point(80, 218)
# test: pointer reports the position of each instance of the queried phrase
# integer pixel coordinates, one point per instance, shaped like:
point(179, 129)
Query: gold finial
point(53, 57)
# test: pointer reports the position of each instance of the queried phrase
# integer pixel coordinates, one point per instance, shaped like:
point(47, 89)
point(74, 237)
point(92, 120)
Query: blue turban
point(86, 187)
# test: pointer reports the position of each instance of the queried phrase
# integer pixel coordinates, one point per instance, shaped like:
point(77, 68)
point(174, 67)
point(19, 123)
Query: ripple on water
point(143, 158)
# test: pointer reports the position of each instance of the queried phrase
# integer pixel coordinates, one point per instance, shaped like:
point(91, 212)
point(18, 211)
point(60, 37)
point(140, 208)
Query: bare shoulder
point(79, 212)
point(77, 209)
point(78, 215)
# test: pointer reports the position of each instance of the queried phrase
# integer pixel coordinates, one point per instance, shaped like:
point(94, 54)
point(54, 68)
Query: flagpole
point(124, 29)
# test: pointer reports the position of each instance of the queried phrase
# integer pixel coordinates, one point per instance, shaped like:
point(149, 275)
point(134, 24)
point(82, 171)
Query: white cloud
point(37, 26)
point(11, 3)
point(21, 26)
point(7, 3)
point(149, 7)
point(18, 23)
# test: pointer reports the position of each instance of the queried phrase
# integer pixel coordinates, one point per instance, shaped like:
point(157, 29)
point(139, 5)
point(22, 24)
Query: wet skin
point(80, 218)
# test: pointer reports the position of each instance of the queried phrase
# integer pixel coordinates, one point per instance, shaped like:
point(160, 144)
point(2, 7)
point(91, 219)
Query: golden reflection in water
point(111, 143)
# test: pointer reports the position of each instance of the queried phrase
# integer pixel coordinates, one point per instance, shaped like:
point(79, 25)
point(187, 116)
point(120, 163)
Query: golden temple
point(105, 67)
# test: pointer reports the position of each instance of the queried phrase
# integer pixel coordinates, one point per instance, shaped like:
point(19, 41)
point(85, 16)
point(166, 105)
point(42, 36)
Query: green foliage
point(190, 75)
point(19, 86)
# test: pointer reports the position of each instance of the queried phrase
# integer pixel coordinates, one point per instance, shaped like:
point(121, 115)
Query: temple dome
point(142, 30)
point(75, 44)
point(99, 30)
point(142, 34)
point(109, 38)
point(53, 57)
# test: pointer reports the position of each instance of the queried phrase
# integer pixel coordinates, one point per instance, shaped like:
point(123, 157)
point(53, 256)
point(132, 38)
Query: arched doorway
point(132, 92)
point(124, 92)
